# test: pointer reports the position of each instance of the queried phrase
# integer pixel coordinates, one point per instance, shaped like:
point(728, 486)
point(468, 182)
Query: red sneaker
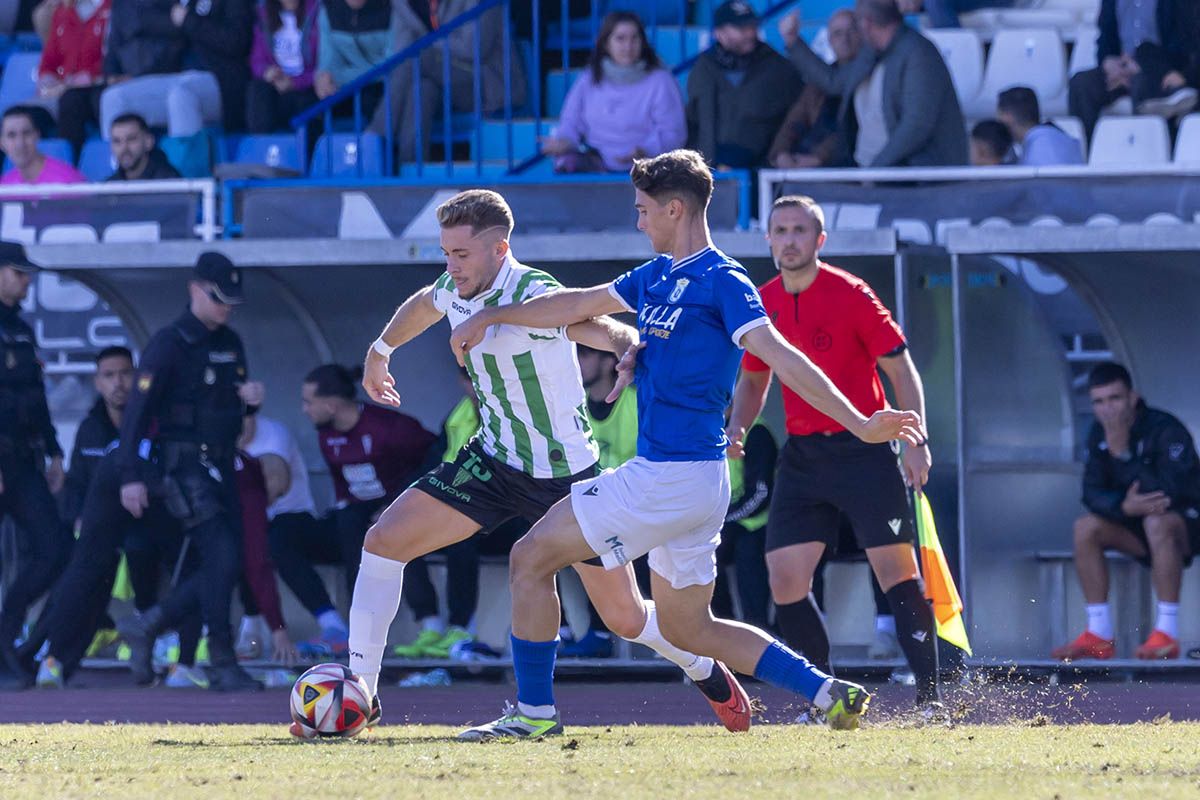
point(1087, 645)
point(1159, 646)
point(734, 713)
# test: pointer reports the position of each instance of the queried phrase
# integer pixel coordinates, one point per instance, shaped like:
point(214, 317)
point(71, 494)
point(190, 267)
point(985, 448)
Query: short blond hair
point(799, 201)
point(480, 208)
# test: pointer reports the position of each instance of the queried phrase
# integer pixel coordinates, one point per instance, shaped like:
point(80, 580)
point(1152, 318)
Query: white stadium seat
point(1038, 18)
point(1187, 141)
point(963, 53)
point(1083, 54)
point(1033, 57)
point(1130, 141)
point(1073, 127)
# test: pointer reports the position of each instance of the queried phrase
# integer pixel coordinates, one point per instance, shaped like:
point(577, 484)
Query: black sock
point(803, 630)
point(715, 687)
point(917, 632)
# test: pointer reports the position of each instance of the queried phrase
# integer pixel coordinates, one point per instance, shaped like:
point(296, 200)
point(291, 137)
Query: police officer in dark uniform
point(174, 460)
point(27, 439)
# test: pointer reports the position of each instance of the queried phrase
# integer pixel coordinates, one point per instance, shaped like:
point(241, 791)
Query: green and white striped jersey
point(531, 399)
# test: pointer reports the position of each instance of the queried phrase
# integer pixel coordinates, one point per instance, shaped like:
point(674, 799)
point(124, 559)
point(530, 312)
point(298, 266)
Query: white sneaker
point(183, 677)
point(250, 641)
point(1176, 104)
point(884, 647)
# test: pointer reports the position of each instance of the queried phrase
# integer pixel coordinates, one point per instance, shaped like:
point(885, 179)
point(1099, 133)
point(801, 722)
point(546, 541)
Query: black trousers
point(43, 541)
point(76, 109)
point(1089, 94)
point(462, 584)
point(299, 541)
point(745, 551)
point(269, 111)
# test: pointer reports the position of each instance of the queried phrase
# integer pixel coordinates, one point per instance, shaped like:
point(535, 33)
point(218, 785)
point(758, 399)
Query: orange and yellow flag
point(939, 583)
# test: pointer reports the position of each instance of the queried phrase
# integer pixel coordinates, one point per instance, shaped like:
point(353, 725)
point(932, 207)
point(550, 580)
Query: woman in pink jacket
point(625, 106)
point(282, 60)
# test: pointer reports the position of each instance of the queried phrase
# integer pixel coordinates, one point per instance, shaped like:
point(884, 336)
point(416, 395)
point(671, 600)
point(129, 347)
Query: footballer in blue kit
point(697, 309)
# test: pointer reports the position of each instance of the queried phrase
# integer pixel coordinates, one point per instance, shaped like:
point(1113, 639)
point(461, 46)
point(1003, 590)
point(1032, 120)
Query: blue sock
point(533, 666)
point(781, 666)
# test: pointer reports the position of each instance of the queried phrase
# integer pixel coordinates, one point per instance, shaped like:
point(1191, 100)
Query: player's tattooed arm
point(552, 310)
point(808, 381)
point(412, 318)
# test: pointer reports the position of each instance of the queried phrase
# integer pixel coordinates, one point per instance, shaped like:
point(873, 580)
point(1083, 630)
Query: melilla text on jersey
point(659, 321)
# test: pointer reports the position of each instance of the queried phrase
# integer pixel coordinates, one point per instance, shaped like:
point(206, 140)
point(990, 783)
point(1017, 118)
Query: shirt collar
point(693, 259)
point(501, 279)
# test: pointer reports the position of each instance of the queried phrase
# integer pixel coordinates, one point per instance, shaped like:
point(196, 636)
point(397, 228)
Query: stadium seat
point(347, 156)
point(19, 82)
point(191, 155)
point(96, 161)
point(1130, 140)
point(55, 148)
point(963, 53)
point(1187, 141)
point(1073, 127)
point(1083, 52)
point(460, 169)
point(558, 83)
point(1060, 18)
point(652, 12)
point(671, 48)
point(524, 137)
point(272, 150)
point(1025, 57)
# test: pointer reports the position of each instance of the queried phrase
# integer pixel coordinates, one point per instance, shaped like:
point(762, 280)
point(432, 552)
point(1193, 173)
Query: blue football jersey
point(691, 315)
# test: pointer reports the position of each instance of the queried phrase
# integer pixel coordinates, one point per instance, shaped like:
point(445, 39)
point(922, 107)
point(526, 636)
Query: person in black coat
point(1149, 51)
point(201, 56)
point(136, 152)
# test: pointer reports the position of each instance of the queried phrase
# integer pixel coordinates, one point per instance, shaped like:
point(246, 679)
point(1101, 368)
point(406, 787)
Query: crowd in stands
point(879, 95)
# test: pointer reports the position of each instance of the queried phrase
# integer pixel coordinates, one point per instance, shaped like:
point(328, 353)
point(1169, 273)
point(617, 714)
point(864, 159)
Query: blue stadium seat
point(347, 155)
point(95, 160)
point(666, 41)
point(19, 82)
point(191, 155)
point(652, 12)
point(462, 125)
point(557, 85)
point(524, 135)
point(57, 148)
point(272, 150)
point(461, 169)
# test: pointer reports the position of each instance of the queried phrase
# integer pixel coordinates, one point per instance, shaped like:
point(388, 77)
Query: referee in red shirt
point(836, 320)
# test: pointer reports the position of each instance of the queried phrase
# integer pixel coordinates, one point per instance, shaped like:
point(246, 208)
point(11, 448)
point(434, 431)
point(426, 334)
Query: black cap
point(735, 12)
point(219, 270)
point(12, 254)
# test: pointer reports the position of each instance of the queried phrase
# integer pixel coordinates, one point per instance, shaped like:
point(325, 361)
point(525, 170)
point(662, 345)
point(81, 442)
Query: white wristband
point(382, 348)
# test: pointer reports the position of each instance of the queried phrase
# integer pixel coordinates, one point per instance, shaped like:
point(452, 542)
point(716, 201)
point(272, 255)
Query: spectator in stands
point(738, 92)
point(1141, 491)
point(944, 13)
point(416, 18)
point(136, 153)
point(282, 62)
point(991, 144)
point(1149, 50)
point(19, 139)
point(353, 36)
point(624, 106)
point(812, 134)
point(1042, 144)
point(202, 78)
point(898, 88)
point(73, 54)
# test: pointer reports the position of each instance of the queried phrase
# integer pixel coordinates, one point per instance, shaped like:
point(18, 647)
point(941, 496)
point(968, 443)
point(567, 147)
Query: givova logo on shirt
point(659, 321)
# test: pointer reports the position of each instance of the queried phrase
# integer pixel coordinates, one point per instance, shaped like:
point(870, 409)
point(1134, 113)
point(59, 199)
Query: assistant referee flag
point(939, 583)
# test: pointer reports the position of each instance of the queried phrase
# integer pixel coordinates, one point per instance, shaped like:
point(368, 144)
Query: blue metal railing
point(566, 39)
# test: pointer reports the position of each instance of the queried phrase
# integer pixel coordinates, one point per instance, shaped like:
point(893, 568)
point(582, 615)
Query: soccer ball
point(330, 701)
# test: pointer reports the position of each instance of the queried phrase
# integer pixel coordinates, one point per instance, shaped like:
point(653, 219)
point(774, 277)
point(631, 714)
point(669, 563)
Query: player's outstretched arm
point(749, 397)
point(412, 318)
point(604, 333)
point(552, 310)
point(804, 378)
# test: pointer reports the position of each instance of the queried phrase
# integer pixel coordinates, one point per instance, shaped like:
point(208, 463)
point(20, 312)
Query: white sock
point(1099, 621)
point(331, 620)
point(537, 712)
point(697, 667)
point(376, 601)
point(1168, 619)
point(432, 624)
point(885, 623)
point(824, 698)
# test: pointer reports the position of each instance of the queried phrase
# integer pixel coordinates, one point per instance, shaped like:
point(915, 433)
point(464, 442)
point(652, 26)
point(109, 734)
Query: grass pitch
point(1158, 760)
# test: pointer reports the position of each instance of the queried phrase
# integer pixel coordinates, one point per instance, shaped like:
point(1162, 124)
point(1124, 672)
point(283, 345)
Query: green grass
point(169, 762)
